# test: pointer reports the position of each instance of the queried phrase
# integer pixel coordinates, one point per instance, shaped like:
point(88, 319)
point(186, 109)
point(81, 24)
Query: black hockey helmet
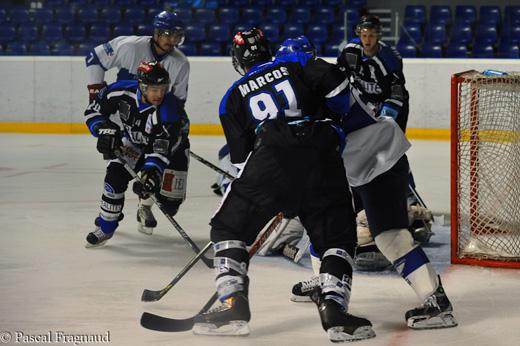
point(369, 22)
point(249, 48)
point(152, 73)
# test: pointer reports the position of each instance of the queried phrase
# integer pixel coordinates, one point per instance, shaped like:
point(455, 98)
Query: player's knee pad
point(336, 276)
point(174, 184)
point(337, 262)
point(112, 203)
point(117, 177)
point(231, 262)
point(394, 243)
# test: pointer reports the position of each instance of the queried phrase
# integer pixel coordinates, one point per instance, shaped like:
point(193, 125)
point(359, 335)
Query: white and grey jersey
point(374, 143)
point(126, 53)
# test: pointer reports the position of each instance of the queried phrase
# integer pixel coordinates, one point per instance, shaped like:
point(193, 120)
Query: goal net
point(485, 169)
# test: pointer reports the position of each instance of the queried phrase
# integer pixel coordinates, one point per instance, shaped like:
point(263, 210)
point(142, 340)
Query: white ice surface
point(50, 187)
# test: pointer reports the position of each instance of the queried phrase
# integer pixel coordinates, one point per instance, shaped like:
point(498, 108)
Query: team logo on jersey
point(108, 49)
point(124, 110)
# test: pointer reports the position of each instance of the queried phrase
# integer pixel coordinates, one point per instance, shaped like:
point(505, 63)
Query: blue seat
point(508, 50)
point(52, 32)
point(512, 14)
point(28, 33)
point(276, 15)
point(489, 14)
point(3, 15)
point(240, 27)
point(228, 15)
point(185, 14)
point(264, 3)
point(122, 29)
point(147, 3)
point(406, 49)
point(285, 3)
point(331, 50)
point(440, 14)
point(65, 15)
point(219, 33)
point(134, 15)
point(251, 16)
point(99, 32)
point(51, 3)
point(358, 3)
point(144, 29)
point(272, 31)
point(111, 15)
point(78, 3)
point(195, 33)
point(431, 50)
point(483, 50)
point(317, 33)
point(39, 48)
point(300, 15)
point(88, 15)
point(42, 16)
point(486, 33)
point(205, 15)
point(435, 33)
point(323, 15)
point(83, 49)
point(16, 48)
point(465, 13)
point(456, 50)
point(75, 33)
point(411, 34)
point(125, 3)
point(332, 3)
point(461, 33)
point(238, 3)
point(189, 49)
point(415, 13)
point(19, 15)
point(210, 49)
point(337, 34)
point(62, 48)
point(292, 30)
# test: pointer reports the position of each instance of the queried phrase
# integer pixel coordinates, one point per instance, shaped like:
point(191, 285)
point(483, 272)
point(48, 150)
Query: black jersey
point(293, 87)
point(157, 130)
point(380, 78)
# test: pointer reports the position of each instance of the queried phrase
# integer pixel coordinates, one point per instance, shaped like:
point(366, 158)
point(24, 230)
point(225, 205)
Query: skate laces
point(226, 304)
point(311, 283)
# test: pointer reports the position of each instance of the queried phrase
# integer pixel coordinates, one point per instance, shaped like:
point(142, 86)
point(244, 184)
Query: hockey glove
point(149, 184)
point(109, 139)
point(93, 90)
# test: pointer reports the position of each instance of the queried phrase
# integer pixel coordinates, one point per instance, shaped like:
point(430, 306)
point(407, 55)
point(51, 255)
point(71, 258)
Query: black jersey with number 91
point(291, 87)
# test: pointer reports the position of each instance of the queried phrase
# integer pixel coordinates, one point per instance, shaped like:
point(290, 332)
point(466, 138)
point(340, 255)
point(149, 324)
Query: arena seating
point(61, 27)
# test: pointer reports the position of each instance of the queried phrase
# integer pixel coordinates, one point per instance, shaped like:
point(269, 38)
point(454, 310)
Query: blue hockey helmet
point(169, 23)
point(296, 44)
point(249, 48)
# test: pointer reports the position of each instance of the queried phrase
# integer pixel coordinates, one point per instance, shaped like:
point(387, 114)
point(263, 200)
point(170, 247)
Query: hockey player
point(377, 170)
point(153, 141)
point(376, 69)
point(274, 124)
point(126, 53)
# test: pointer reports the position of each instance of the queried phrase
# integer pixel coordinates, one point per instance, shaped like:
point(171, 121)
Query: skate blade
point(234, 328)
point(301, 299)
point(144, 229)
point(443, 320)
point(93, 246)
point(337, 334)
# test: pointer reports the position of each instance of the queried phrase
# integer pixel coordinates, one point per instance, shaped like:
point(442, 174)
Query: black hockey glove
point(149, 184)
point(109, 139)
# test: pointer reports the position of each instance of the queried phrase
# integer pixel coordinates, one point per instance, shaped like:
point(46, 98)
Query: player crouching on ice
point(152, 141)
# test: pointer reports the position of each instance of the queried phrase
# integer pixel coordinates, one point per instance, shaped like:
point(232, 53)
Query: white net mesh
point(489, 167)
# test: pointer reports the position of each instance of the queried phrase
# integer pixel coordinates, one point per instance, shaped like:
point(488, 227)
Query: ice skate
point(339, 325)
point(369, 258)
point(436, 312)
point(146, 222)
point(230, 318)
point(302, 290)
point(97, 237)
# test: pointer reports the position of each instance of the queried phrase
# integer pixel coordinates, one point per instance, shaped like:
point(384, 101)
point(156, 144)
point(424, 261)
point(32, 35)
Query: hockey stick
point(212, 166)
point(153, 296)
point(164, 324)
point(178, 227)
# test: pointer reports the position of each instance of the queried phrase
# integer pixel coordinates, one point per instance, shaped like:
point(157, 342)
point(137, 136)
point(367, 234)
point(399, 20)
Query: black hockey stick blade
point(164, 324)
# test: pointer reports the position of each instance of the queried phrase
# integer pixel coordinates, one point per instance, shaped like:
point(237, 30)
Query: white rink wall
point(53, 89)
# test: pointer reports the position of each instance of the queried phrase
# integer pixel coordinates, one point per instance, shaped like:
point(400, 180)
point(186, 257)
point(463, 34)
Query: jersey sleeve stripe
point(338, 89)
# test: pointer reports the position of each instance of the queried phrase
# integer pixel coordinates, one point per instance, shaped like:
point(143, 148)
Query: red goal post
point(485, 169)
